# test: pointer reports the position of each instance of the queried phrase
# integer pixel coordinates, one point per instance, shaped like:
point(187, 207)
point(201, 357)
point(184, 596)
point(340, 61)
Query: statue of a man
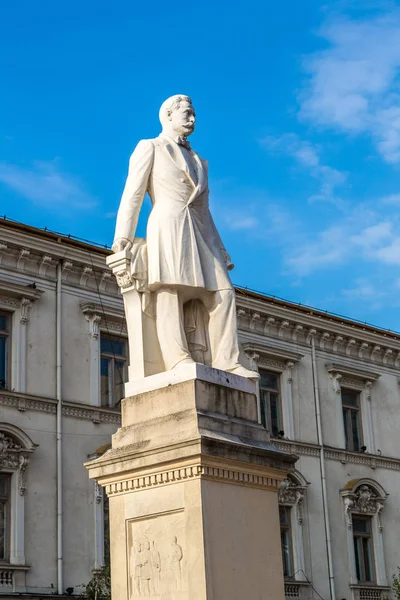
point(186, 257)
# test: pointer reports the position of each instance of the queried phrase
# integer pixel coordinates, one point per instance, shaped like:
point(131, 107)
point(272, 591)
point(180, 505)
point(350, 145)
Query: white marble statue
point(185, 260)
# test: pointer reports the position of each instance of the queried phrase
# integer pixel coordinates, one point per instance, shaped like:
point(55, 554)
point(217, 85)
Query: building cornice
point(14, 290)
point(26, 402)
point(338, 454)
point(268, 352)
point(348, 371)
point(258, 319)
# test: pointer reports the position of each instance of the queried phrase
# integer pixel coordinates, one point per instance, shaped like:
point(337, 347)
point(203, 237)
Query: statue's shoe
point(243, 372)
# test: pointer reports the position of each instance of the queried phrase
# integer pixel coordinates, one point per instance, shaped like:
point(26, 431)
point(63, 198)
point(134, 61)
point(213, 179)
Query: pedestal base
point(192, 480)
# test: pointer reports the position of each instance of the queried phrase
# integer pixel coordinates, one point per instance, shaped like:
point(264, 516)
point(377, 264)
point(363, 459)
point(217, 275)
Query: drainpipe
point(60, 587)
point(322, 469)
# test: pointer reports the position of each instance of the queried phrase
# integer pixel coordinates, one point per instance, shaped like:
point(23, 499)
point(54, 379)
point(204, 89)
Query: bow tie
point(183, 142)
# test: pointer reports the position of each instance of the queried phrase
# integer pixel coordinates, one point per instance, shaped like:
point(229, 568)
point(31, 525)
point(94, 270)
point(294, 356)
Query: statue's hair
point(170, 105)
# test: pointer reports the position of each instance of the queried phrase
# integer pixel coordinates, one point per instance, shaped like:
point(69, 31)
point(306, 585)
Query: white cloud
point(44, 184)
point(307, 156)
point(353, 84)
point(371, 237)
point(393, 200)
point(364, 290)
point(362, 235)
point(238, 220)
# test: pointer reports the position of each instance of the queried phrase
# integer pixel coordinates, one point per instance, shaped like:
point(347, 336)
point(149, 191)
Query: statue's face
point(183, 119)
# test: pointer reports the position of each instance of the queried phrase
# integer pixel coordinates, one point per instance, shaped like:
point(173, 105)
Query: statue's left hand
point(121, 244)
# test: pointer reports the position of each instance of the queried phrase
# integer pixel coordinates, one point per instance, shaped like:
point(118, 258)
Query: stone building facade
point(329, 393)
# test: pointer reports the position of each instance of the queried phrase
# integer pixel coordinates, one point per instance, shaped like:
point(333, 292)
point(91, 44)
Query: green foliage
point(395, 587)
point(99, 587)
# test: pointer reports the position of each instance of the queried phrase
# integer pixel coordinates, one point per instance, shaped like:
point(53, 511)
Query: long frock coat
point(183, 245)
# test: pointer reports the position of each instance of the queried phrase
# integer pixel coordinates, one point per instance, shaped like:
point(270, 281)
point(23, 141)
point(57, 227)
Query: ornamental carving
point(364, 500)
point(290, 493)
point(124, 279)
point(13, 456)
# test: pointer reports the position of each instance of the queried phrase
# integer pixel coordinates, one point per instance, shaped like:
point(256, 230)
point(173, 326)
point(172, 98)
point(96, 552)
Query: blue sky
point(298, 113)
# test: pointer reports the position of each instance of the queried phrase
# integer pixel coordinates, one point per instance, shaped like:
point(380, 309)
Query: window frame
point(287, 530)
point(7, 476)
point(113, 358)
point(7, 334)
point(267, 421)
point(366, 498)
point(368, 535)
point(348, 422)
point(292, 496)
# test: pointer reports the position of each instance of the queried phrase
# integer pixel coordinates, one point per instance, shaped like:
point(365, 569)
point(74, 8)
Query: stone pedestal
point(192, 480)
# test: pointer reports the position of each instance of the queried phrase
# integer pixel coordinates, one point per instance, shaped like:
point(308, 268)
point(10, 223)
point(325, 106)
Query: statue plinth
point(192, 479)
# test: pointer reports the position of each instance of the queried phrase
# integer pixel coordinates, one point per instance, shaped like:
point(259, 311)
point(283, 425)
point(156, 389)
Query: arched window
point(363, 502)
point(291, 505)
point(15, 449)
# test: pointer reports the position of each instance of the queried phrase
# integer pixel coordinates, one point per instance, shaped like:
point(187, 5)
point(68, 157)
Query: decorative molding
point(270, 356)
point(45, 264)
point(370, 592)
point(25, 306)
point(195, 471)
point(269, 322)
point(284, 325)
point(14, 454)
point(86, 273)
point(339, 455)
point(24, 403)
point(3, 248)
point(253, 320)
point(324, 338)
point(310, 335)
point(23, 257)
point(344, 338)
point(94, 321)
point(9, 302)
point(297, 590)
point(350, 344)
point(106, 311)
point(95, 414)
point(292, 494)
point(387, 354)
point(354, 373)
point(363, 496)
point(296, 332)
point(336, 379)
point(15, 291)
point(66, 269)
point(104, 280)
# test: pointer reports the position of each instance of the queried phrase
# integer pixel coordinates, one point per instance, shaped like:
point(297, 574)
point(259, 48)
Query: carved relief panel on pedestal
point(156, 557)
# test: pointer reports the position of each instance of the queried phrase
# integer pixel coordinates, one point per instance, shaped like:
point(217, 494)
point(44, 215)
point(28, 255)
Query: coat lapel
point(177, 157)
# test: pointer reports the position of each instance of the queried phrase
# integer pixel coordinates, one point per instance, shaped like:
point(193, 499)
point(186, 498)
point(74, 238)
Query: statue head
point(177, 116)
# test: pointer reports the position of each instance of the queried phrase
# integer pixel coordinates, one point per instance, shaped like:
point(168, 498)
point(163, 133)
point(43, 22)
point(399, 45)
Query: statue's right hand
point(121, 244)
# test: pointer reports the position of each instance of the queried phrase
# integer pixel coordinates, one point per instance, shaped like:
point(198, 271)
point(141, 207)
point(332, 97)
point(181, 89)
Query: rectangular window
point(113, 369)
point(4, 516)
point(286, 540)
point(5, 322)
point(363, 549)
point(270, 402)
point(352, 419)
